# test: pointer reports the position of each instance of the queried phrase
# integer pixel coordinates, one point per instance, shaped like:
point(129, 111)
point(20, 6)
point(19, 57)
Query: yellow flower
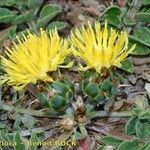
point(32, 58)
point(99, 47)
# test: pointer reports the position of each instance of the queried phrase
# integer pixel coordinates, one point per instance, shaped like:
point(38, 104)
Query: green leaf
point(27, 17)
point(146, 146)
point(58, 102)
point(140, 49)
point(109, 140)
point(2, 126)
point(141, 102)
point(56, 24)
point(83, 129)
point(77, 136)
point(112, 15)
point(6, 16)
point(142, 129)
point(129, 145)
point(47, 13)
point(12, 32)
point(89, 108)
point(143, 34)
point(145, 114)
point(128, 21)
point(44, 100)
point(4, 136)
point(4, 12)
point(17, 122)
point(19, 2)
point(2, 2)
point(136, 111)
point(130, 126)
point(49, 9)
point(142, 17)
point(99, 99)
point(9, 3)
point(145, 2)
point(105, 86)
point(61, 88)
point(7, 19)
point(42, 23)
point(28, 121)
point(92, 89)
point(33, 4)
point(34, 140)
point(127, 65)
point(68, 83)
point(19, 143)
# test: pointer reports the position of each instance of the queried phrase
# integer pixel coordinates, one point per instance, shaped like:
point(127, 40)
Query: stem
point(102, 114)
point(26, 111)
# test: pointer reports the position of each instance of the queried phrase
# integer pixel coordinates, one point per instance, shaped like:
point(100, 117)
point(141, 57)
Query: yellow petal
point(99, 47)
point(32, 57)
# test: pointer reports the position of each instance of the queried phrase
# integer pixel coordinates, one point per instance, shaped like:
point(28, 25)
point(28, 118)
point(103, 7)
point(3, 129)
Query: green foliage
point(143, 17)
point(127, 65)
point(28, 121)
point(19, 143)
point(34, 138)
point(47, 13)
point(23, 18)
point(6, 16)
point(29, 16)
point(112, 15)
point(146, 146)
point(58, 24)
point(58, 102)
point(139, 124)
point(145, 2)
point(143, 34)
point(95, 88)
point(129, 145)
point(33, 4)
point(142, 129)
point(99, 91)
point(130, 126)
point(121, 18)
point(92, 89)
point(140, 49)
point(57, 95)
point(109, 140)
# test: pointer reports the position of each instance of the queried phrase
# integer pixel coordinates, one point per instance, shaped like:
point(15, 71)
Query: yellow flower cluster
point(33, 57)
point(100, 48)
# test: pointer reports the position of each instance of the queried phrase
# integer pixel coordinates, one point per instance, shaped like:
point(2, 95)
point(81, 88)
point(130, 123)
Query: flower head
point(99, 47)
point(32, 58)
